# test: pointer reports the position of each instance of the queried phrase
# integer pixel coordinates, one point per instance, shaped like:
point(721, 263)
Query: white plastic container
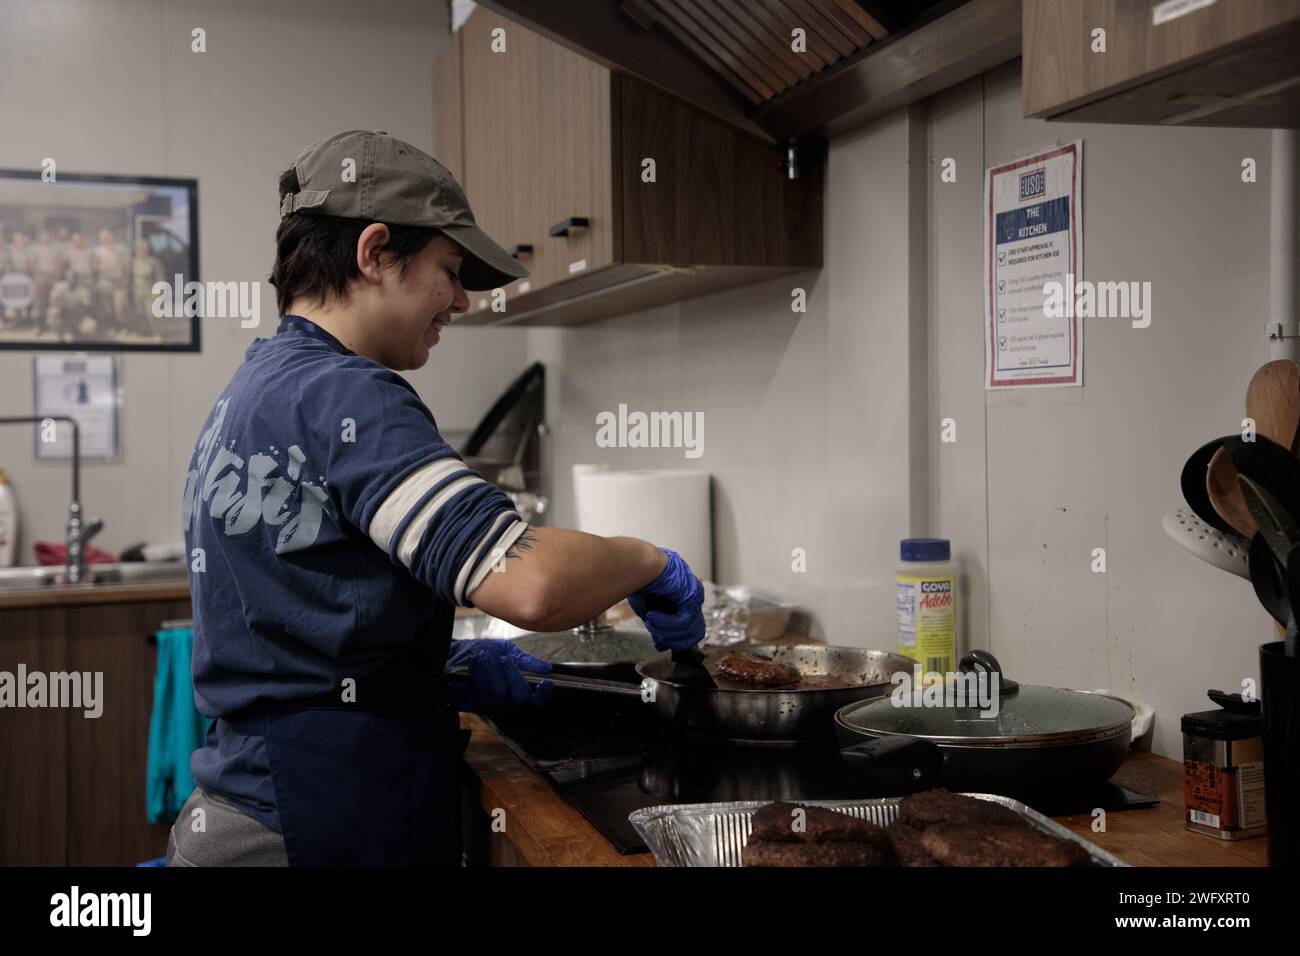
point(926, 577)
point(8, 523)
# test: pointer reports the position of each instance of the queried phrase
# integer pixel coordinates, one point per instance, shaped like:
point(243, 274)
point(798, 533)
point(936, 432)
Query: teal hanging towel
point(176, 730)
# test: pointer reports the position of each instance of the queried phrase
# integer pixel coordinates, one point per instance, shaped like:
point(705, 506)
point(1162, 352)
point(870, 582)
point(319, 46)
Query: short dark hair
point(317, 255)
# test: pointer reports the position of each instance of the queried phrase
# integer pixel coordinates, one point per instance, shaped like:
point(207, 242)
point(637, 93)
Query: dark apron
point(375, 782)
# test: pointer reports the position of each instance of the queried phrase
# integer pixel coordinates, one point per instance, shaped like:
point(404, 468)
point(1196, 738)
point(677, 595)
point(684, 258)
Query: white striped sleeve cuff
point(388, 517)
point(484, 559)
point(400, 523)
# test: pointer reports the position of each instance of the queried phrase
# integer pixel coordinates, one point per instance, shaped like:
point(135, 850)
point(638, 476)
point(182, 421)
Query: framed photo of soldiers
point(97, 262)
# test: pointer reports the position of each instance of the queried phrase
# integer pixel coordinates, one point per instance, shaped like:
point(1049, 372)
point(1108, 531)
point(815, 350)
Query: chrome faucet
point(78, 534)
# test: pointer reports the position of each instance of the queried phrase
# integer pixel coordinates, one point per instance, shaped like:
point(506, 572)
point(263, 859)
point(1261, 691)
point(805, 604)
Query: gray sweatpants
point(226, 837)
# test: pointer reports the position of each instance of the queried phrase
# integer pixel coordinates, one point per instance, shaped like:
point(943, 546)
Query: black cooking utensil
point(1193, 484)
point(1293, 587)
point(1268, 588)
point(688, 664)
point(689, 669)
point(1274, 522)
point(1270, 466)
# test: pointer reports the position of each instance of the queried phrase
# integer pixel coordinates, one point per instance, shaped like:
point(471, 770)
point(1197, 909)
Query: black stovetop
point(609, 755)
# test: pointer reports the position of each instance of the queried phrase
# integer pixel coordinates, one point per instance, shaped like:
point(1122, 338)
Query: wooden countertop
point(1158, 836)
point(64, 595)
point(543, 828)
point(546, 831)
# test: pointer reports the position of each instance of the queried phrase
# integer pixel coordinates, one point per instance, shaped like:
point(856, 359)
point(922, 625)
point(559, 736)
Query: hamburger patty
point(756, 671)
point(775, 822)
point(934, 828)
point(784, 853)
point(956, 845)
point(906, 841)
point(929, 807)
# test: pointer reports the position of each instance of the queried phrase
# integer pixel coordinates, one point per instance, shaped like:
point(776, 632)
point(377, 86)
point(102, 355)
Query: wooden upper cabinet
point(720, 197)
point(495, 102)
point(448, 117)
point(1222, 63)
point(555, 151)
point(574, 171)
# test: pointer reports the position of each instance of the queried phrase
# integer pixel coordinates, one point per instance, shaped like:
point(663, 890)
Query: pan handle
point(896, 764)
point(561, 679)
point(975, 659)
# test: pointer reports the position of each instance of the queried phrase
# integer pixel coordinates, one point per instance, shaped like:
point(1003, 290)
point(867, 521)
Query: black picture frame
point(32, 333)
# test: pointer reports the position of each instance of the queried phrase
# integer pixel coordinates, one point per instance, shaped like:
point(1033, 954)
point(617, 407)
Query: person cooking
point(331, 532)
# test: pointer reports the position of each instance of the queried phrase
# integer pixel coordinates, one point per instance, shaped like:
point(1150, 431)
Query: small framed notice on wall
point(1033, 242)
point(81, 387)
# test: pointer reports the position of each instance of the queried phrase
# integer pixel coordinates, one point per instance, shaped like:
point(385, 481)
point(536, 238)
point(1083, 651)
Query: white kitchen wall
point(809, 417)
point(111, 86)
point(1069, 470)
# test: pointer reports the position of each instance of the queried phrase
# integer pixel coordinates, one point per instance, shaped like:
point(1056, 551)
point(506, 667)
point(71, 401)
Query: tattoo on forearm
point(522, 543)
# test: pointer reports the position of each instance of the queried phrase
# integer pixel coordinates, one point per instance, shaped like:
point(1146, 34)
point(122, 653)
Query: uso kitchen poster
point(1033, 235)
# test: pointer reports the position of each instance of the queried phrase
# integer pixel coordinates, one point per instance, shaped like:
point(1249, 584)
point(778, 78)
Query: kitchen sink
point(130, 572)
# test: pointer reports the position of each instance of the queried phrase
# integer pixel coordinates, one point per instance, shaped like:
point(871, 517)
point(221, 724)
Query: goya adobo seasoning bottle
point(927, 604)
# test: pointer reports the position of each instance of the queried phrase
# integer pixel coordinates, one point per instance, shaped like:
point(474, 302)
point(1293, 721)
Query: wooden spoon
point(1273, 401)
point(1225, 495)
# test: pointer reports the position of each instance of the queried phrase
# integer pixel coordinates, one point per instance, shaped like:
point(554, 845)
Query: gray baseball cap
point(399, 185)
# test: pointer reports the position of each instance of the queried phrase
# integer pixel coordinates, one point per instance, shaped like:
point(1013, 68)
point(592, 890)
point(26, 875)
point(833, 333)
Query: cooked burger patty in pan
point(756, 671)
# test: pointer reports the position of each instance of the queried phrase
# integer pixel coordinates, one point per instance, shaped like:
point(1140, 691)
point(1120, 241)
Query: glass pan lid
point(1050, 714)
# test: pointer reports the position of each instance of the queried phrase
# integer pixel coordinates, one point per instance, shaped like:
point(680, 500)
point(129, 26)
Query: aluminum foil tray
point(714, 834)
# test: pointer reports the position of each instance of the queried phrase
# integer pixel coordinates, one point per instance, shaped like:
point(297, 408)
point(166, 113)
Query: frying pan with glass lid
point(1035, 738)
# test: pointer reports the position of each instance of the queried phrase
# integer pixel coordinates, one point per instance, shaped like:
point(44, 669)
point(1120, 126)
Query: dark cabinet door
point(34, 767)
point(108, 755)
point(72, 786)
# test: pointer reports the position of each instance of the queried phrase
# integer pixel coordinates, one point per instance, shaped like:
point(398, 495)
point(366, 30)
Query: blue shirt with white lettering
point(325, 520)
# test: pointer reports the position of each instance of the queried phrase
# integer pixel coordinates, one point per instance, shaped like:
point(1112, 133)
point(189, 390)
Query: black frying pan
point(1043, 739)
point(1193, 484)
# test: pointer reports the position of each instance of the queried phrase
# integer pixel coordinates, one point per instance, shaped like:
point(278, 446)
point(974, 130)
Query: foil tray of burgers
point(716, 834)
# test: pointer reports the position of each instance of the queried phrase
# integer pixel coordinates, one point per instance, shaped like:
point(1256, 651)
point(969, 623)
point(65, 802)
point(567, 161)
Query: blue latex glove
point(495, 676)
point(671, 606)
